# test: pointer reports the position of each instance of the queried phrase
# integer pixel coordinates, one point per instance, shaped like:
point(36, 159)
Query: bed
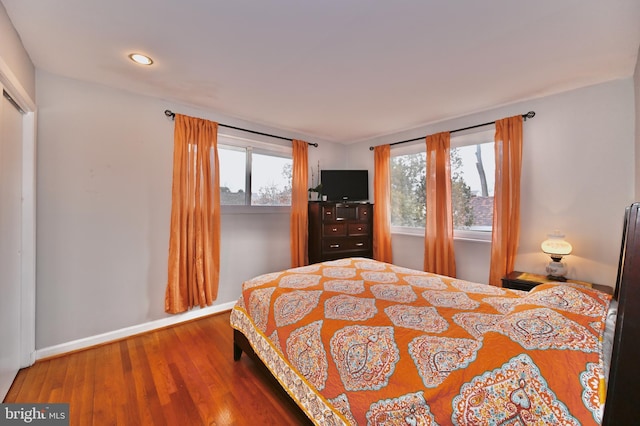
point(356, 341)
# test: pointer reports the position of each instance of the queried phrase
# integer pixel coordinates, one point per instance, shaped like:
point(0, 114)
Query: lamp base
point(555, 278)
point(556, 271)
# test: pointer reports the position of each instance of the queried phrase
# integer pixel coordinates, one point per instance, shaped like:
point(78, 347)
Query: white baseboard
point(129, 331)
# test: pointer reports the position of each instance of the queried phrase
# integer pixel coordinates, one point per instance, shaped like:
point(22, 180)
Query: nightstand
point(525, 281)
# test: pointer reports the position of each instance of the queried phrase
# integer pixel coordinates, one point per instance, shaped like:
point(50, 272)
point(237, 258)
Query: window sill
point(231, 210)
point(473, 240)
point(467, 236)
point(475, 236)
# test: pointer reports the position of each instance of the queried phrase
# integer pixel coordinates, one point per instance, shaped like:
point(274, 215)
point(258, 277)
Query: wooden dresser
point(338, 230)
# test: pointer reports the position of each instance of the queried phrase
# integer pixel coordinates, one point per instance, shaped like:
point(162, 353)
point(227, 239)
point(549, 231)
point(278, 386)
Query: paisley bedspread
point(356, 341)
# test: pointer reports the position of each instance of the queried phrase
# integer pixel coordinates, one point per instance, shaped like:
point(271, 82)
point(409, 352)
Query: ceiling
point(336, 70)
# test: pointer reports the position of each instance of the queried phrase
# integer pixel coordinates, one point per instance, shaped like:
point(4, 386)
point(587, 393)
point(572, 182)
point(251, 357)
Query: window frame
point(256, 145)
point(466, 138)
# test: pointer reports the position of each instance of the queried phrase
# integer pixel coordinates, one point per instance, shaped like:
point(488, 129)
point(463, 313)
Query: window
point(472, 182)
point(254, 173)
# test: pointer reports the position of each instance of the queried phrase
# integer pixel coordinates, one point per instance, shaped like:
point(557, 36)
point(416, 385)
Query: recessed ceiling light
point(140, 59)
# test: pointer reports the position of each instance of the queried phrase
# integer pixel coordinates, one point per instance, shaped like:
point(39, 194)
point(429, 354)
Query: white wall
point(14, 59)
point(578, 175)
point(17, 77)
point(104, 177)
point(104, 199)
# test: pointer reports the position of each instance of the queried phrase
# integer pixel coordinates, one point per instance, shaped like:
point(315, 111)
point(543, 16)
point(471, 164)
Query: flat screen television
point(345, 185)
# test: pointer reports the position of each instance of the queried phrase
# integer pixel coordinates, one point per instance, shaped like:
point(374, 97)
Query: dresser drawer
point(358, 229)
point(345, 244)
point(335, 229)
point(364, 212)
point(329, 213)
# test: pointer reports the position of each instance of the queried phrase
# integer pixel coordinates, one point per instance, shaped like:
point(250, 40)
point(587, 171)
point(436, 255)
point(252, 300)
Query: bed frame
point(622, 405)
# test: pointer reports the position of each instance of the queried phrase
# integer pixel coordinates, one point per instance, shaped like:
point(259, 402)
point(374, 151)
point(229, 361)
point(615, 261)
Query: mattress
point(356, 341)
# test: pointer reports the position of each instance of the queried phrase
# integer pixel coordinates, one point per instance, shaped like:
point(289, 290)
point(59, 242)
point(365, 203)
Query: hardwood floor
point(182, 375)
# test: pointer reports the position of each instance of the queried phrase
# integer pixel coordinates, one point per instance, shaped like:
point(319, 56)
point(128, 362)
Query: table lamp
point(556, 247)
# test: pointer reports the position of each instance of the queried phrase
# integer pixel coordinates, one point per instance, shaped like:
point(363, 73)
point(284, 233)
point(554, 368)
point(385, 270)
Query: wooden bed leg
point(239, 342)
point(237, 352)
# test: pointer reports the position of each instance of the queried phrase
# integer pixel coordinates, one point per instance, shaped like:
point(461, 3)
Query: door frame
point(12, 85)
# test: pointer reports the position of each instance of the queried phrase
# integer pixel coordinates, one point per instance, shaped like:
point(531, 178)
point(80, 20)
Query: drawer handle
point(359, 244)
point(360, 228)
point(334, 245)
point(334, 229)
point(327, 213)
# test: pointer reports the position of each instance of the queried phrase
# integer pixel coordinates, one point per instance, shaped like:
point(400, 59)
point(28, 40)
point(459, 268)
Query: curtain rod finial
point(169, 113)
point(530, 114)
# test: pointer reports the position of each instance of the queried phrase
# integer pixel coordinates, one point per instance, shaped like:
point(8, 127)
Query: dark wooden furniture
point(525, 281)
point(623, 392)
point(338, 230)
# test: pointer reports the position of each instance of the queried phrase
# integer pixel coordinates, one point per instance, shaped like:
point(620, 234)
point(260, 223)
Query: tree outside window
point(254, 177)
point(471, 188)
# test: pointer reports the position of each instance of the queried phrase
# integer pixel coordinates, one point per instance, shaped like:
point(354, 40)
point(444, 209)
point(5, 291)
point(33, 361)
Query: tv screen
point(345, 185)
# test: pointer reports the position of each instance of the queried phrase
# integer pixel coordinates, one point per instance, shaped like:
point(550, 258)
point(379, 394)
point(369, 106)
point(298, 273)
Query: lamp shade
point(555, 245)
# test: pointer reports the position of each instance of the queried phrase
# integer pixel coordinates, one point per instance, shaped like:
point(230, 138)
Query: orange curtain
point(299, 212)
point(194, 244)
point(382, 206)
point(438, 238)
point(506, 200)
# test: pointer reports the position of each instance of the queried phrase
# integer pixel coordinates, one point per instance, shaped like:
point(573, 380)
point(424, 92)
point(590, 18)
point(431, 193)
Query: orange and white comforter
point(356, 341)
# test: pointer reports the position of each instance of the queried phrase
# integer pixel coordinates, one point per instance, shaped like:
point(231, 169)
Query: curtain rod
point(171, 114)
point(530, 114)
